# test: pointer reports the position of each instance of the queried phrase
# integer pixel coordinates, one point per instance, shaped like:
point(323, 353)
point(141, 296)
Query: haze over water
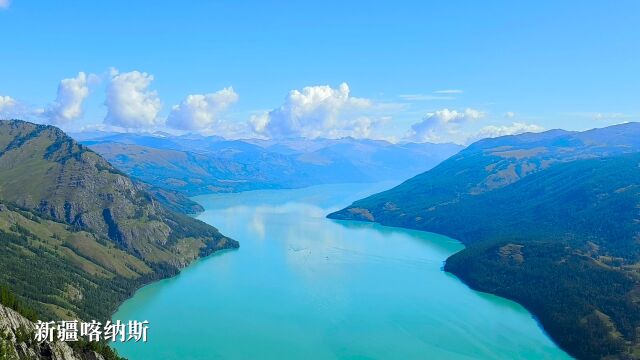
point(305, 287)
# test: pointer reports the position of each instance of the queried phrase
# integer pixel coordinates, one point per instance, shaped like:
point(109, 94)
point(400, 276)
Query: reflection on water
point(303, 286)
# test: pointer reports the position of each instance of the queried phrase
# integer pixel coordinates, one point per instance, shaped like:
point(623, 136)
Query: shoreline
point(468, 283)
point(195, 261)
point(534, 316)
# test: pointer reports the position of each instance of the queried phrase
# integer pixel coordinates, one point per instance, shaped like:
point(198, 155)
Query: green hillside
point(550, 220)
point(77, 236)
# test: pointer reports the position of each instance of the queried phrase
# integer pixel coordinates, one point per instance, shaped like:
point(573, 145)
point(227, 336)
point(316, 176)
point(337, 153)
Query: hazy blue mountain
point(550, 220)
point(195, 164)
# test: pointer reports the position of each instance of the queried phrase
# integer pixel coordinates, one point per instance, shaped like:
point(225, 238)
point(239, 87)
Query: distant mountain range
point(196, 164)
point(551, 220)
point(78, 236)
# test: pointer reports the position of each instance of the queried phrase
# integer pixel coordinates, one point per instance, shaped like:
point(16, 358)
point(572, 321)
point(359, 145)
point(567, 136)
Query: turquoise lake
point(305, 287)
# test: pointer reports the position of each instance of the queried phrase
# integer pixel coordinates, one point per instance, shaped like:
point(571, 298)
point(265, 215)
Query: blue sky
point(512, 66)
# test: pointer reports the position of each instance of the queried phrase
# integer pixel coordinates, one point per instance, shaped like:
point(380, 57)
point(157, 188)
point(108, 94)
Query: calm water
point(305, 287)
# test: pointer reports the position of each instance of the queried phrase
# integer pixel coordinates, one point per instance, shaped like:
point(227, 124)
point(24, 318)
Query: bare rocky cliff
point(17, 342)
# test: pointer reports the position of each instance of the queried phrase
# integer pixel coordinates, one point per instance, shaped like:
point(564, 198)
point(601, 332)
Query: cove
point(305, 287)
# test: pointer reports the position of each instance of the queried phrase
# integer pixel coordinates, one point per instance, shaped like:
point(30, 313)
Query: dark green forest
point(549, 220)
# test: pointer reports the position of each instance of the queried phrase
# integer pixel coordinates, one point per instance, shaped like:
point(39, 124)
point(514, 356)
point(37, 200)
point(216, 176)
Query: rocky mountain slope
point(550, 220)
point(17, 342)
point(45, 171)
point(78, 236)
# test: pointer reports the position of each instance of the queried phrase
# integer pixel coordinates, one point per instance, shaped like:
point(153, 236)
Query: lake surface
point(305, 287)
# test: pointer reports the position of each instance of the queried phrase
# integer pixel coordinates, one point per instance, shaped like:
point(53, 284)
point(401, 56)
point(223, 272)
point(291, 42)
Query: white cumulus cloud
point(318, 111)
point(7, 103)
point(512, 129)
point(435, 126)
point(11, 108)
point(130, 103)
point(199, 112)
point(68, 104)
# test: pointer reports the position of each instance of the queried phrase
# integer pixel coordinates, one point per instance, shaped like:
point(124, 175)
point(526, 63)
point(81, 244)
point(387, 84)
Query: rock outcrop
point(17, 342)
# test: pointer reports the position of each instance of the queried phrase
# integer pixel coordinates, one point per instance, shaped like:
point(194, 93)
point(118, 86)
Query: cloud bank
point(513, 129)
point(310, 112)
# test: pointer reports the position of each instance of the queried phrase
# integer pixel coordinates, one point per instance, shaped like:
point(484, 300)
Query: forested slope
point(550, 220)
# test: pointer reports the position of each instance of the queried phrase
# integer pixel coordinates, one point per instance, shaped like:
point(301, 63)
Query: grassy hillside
point(76, 235)
point(550, 220)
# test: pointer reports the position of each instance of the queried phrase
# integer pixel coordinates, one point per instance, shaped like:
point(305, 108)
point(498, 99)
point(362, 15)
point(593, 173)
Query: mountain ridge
point(79, 236)
point(550, 221)
point(75, 185)
point(196, 165)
